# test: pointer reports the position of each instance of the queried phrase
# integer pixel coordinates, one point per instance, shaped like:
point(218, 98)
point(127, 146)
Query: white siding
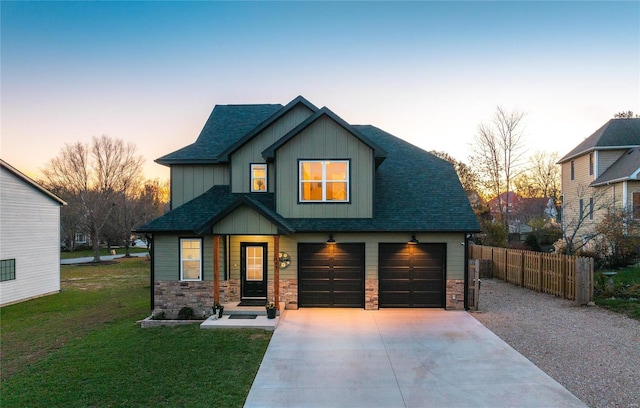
point(30, 234)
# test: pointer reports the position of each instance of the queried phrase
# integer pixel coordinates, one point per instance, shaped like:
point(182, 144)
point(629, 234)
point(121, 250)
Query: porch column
point(276, 270)
point(216, 268)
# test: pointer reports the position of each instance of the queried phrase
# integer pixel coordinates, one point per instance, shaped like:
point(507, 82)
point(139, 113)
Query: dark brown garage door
point(331, 275)
point(411, 275)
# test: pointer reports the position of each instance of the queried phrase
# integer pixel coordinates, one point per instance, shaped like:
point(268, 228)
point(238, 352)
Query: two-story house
point(599, 175)
point(292, 204)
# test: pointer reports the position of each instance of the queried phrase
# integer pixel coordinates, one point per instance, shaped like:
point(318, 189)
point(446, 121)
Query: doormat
point(242, 316)
point(253, 302)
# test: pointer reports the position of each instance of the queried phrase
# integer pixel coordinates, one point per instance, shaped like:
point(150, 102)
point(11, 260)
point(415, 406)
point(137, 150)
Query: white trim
point(323, 181)
point(252, 178)
point(625, 192)
point(199, 259)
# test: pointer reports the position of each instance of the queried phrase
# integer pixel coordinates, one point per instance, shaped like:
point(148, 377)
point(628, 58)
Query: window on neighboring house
point(190, 259)
point(591, 164)
point(258, 178)
point(7, 270)
point(573, 173)
point(80, 238)
point(324, 181)
point(591, 208)
point(636, 206)
point(581, 208)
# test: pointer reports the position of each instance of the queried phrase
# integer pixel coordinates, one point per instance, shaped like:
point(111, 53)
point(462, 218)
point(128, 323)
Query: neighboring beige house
point(293, 204)
point(601, 174)
point(29, 238)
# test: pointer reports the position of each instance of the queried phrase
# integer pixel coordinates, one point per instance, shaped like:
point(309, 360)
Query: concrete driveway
point(396, 358)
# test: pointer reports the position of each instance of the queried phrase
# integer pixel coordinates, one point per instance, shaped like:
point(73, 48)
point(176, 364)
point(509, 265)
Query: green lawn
point(82, 348)
point(624, 297)
point(103, 251)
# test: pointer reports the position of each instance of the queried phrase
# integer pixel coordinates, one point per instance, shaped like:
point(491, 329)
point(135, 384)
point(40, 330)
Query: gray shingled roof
point(226, 125)
point(414, 191)
point(625, 168)
point(616, 133)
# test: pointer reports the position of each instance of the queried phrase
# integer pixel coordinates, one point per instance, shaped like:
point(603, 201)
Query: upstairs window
point(191, 259)
point(573, 174)
point(591, 164)
point(324, 181)
point(258, 178)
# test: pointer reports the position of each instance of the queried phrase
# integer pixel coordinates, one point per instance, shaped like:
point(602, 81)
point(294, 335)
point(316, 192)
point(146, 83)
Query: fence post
point(522, 256)
point(584, 286)
point(540, 272)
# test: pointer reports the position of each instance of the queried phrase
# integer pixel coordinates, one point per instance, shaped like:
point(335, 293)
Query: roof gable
point(627, 167)
point(27, 180)
point(616, 133)
point(379, 153)
point(273, 118)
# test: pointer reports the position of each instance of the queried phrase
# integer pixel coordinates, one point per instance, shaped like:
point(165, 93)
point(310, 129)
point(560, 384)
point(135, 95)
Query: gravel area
point(592, 352)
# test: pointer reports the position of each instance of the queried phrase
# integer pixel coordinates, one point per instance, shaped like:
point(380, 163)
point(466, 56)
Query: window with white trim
point(191, 259)
point(324, 181)
point(258, 178)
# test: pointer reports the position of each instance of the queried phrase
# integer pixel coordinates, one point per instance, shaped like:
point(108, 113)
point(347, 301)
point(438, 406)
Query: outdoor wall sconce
point(331, 240)
point(413, 240)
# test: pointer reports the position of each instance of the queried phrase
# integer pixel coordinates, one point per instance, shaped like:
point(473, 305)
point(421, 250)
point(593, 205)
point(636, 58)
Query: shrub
point(186, 313)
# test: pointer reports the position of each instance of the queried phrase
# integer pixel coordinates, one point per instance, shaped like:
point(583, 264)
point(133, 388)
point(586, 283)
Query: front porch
point(242, 317)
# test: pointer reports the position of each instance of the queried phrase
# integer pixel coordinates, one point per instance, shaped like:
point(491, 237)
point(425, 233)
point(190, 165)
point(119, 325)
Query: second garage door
point(331, 275)
point(411, 275)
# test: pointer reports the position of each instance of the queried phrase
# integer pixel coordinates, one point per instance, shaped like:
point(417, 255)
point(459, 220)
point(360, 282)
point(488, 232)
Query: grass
point(103, 251)
point(82, 348)
point(624, 297)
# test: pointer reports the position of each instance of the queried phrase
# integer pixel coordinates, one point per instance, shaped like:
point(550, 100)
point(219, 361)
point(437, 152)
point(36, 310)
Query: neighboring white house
point(29, 238)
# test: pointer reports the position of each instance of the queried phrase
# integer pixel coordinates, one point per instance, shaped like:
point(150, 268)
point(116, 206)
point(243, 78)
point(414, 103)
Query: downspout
point(152, 275)
point(466, 271)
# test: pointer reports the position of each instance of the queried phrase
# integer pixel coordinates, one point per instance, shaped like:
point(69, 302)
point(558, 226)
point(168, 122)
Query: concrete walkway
point(396, 358)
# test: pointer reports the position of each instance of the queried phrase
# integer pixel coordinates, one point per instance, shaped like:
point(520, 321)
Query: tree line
point(499, 167)
point(105, 191)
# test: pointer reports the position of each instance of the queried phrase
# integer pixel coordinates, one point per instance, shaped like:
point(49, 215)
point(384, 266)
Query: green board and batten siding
point(167, 252)
point(244, 220)
point(252, 152)
point(190, 181)
point(325, 139)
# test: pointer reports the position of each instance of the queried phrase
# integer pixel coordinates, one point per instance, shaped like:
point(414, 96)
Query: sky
point(428, 72)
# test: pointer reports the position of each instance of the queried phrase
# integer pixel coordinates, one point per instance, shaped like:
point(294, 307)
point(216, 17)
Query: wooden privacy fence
point(561, 275)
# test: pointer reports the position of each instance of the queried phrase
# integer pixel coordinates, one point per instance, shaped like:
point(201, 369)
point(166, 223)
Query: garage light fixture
point(413, 240)
point(331, 240)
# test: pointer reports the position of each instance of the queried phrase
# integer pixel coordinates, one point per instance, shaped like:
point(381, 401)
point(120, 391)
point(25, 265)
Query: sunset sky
point(427, 72)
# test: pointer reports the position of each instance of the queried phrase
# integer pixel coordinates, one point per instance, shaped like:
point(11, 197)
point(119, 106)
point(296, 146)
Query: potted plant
point(271, 310)
point(218, 309)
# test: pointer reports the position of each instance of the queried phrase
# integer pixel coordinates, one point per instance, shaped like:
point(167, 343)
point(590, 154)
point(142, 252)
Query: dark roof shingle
point(621, 133)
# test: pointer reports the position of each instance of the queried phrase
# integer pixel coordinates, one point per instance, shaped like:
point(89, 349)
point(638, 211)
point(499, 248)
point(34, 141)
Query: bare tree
point(497, 152)
point(578, 215)
point(95, 176)
point(541, 178)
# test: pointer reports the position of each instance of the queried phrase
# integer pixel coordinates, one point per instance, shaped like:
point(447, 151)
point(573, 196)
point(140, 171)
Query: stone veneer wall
point(289, 293)
point(371, 294)
point(455, 287)
point(171, 296)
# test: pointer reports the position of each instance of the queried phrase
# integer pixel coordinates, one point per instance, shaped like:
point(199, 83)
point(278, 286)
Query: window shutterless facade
point(7, 270)
point(191, 259)
point(323, 181)
point(258, 178)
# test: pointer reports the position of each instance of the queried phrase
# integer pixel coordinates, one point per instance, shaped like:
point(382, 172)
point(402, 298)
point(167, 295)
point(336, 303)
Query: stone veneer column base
point(289, 293)
point(455, 288)
point(371, 294)
point(171, 296)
